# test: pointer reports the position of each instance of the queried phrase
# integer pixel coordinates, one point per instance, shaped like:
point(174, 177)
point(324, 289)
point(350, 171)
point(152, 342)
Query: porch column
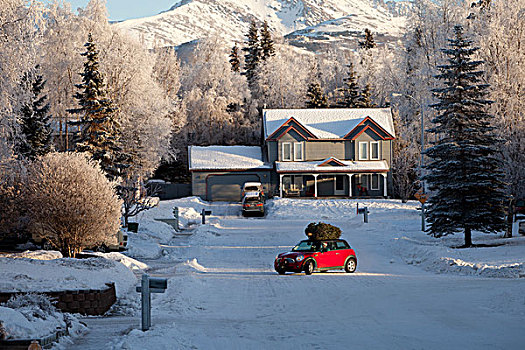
point(384, 185)
point(281, 185)
point(350, 184)
point(315, 184)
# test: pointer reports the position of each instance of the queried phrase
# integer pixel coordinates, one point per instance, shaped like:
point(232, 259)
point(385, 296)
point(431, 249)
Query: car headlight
point(299, 258)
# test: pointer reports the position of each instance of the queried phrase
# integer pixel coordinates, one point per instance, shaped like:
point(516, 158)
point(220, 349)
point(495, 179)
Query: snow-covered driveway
point(224, 294)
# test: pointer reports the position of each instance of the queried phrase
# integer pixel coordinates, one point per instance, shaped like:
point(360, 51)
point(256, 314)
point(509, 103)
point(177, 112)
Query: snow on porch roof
point(328, 123)
point(316, 167)
point(226, 158)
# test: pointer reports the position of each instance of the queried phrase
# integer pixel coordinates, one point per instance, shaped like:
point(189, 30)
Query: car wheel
point(280, 270)
point(351, 265)
point(309, 267)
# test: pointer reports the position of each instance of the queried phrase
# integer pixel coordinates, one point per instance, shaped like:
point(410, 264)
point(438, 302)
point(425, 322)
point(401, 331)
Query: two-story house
point(306, 153)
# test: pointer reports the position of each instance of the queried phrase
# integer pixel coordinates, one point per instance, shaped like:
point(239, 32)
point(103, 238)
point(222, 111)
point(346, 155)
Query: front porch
point(344, 185)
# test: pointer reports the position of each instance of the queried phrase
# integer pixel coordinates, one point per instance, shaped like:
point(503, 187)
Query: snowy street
point(223, 292)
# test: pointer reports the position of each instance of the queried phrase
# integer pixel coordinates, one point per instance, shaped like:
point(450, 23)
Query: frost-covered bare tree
point(70, 202)
point(499, 27)
point(128, 70)
point(19, 39)
point(283, 78)
point(214, 98)
point(61, 62)
point(429, 25)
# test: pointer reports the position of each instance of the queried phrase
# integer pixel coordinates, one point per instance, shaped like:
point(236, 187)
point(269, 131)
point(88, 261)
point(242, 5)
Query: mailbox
point(364, 211)
point(156, 285)
point(203, 214)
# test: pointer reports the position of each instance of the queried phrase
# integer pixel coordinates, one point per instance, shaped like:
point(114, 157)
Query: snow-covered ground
point(410, 290)
point(30, 274)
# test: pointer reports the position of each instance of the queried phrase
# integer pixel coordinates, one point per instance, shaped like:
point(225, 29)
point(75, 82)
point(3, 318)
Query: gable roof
point(327, 123)
point(226, 157)
point(332, 161)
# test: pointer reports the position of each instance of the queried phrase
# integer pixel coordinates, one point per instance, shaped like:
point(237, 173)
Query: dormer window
point(298, 151)
point(287, 151)
point(363, 150)
point(374, 150)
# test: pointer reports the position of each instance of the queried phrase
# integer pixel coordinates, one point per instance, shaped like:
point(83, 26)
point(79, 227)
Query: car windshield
point(251, 188)
point(251, 200)
point(306, 246)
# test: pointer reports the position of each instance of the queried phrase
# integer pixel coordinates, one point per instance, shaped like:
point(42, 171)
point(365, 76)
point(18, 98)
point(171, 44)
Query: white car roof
point(246, 184)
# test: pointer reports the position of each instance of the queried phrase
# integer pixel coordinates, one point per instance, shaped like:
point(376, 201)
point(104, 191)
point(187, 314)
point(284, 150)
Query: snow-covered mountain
point(188, 20)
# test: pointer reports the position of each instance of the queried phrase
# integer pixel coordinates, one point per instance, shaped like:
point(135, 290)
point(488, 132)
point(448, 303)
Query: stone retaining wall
point(85, 302)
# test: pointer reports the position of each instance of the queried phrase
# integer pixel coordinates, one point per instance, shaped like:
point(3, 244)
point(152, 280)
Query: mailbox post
point(147, 286)
point(422, 198)
point(363, 211)
point(203, 214)
point(176, 215)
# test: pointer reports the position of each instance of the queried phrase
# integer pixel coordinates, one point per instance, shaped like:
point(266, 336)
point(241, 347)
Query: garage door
point(227, 188)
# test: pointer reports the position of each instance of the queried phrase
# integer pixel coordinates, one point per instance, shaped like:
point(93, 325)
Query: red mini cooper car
point(310, 256)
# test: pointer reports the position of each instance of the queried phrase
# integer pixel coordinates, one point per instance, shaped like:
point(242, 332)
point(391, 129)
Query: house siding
point(368, 136)
point(320, 150)
point(273, 151)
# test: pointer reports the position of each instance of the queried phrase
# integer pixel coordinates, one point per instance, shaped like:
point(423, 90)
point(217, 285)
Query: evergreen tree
point(99, 128)
point(234, 59)
point(315, 97)
point(266, 42)
point(365, 98)
point(369, 42)
point(464, 172)
point(34, 119)
point(252, 57)
point(350, 91)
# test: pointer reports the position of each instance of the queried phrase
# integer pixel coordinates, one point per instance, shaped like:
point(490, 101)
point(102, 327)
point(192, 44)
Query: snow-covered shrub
point(32, 316)
point(320, 231)
point(12, 213)
point(32, 305)
point(71, 203)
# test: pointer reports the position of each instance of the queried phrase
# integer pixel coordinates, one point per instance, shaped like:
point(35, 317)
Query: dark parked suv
point(253, 203)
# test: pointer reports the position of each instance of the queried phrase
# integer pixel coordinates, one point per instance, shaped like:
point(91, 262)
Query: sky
point(126, 9)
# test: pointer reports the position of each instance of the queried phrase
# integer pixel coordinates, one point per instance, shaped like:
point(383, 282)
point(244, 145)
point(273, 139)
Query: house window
point(374, 150)
point(298, 151)
point(375, 182)
point(287, 151)
point(363, 150)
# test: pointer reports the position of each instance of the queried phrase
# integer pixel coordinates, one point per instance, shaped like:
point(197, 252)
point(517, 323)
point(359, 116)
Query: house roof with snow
point(329, 123)
point(332, 165)
point(226, 158)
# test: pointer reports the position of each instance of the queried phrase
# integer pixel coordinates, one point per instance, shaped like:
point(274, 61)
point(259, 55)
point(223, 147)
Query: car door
point(342, 252)
point(327, 257)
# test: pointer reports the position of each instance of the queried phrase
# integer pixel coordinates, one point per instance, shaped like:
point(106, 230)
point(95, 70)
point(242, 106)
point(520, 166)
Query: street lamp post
point(422, 159)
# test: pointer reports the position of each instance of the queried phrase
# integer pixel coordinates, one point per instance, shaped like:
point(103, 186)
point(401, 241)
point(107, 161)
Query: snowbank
point(130, 263)
point(30, 275)
point(152, 233)
point(505, 259)
point(35, 254)
point(317, 209)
